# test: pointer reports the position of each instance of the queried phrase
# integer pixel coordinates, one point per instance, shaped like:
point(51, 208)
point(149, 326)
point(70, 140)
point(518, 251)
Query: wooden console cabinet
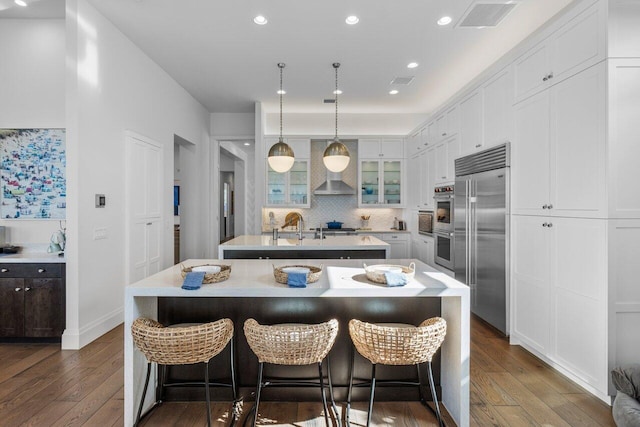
point(32, 300)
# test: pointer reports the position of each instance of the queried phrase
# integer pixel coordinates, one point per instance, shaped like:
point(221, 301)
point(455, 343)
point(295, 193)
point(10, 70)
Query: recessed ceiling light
point(260, 20)
point(20, 3)
point(412, 65)
point(281, 92)
point(352, 20)
point(393, 92)
point(337, 92)
point(247, 144)
point(445, 20)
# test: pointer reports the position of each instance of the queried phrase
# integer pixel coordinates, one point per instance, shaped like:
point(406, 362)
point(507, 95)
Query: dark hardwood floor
point(41, 385)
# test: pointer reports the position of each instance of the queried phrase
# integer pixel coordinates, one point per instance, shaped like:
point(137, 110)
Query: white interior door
point(144, 180)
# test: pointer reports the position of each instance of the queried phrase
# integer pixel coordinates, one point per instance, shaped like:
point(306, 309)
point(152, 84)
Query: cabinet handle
point(545, 224)
point(41, 270)
point(545, 206)
point(4, 270)
point(550, 225)
point(27, 289)
point(545, 78)
point(425, 144)
point(148, 223)
point(444, 177)
point(444, 134)
point(550, 207)
point(348, 257)
point(550, 76)
point(478, 145)
point(17, 289)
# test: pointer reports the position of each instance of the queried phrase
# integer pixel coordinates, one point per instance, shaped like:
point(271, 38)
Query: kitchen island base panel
point(306, 254)
point(299, 310)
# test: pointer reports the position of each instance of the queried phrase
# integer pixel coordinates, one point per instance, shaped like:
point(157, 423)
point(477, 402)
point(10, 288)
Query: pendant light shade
point(336, 156)
point(281, 156)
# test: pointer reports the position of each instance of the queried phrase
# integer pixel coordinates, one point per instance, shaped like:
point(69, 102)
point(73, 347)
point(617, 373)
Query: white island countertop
point(329, 243)
point(32, 257)
point(340, 279)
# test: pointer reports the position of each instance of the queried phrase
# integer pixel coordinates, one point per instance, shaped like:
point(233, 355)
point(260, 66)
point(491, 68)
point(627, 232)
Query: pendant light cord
point(336, 65)
point(281, 66)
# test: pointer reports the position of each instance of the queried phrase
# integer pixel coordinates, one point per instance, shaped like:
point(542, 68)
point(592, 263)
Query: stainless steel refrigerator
point(481, 232)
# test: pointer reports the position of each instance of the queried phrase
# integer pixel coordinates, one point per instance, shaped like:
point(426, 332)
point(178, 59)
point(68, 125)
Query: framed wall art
point(33, 174)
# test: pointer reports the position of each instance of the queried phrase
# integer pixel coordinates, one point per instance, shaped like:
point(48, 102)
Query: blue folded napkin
point(395, 279)
point(297, 280)
point(193, 280)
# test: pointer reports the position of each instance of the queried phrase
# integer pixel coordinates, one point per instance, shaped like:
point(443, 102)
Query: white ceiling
point(35, 9)
point(216, 52)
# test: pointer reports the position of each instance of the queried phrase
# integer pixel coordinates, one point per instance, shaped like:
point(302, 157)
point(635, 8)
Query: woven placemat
point(221, 276)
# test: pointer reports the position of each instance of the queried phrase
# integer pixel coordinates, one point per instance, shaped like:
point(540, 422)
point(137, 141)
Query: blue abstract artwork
point(33, 174)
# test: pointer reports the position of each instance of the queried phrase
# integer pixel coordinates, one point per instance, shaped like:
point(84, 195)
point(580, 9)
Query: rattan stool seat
point(396, 345)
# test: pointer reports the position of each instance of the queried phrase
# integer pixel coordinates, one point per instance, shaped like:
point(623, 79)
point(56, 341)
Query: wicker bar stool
point(293, 344)
point(398, 345)
point(184, 346)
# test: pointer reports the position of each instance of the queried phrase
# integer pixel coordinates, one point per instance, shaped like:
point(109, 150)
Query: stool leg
point(346, 417)
point(144, 393)
point(233, 369)
point(333, 402)
point(206, 392)
point(435, 396)
point(324, 396)
point(373, 390)
point(255, 415)
point(422, 398)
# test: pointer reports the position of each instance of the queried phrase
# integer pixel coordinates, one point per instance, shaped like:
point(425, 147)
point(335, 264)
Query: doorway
point(227, 195)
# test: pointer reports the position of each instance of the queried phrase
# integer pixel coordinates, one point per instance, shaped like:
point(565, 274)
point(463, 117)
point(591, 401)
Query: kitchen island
point(341, 292)
point(331, 247)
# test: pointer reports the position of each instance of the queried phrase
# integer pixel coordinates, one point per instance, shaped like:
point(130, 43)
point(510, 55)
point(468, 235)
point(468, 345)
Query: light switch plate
point(99, 233)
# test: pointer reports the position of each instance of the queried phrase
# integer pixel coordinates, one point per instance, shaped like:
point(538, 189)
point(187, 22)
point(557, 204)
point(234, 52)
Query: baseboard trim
point(75, 339)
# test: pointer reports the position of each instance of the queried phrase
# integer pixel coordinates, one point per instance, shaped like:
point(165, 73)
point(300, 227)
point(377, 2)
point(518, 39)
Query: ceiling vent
point(402, 80)
point(329, 101)
point(486, 13)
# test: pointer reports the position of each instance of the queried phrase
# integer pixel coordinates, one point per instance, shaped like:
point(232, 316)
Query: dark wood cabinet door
point(44, 308)
point(11, 307)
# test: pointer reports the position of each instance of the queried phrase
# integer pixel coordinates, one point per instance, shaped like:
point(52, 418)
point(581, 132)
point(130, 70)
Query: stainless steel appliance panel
point(444, 252)
point(425, 222)
point(461, 227)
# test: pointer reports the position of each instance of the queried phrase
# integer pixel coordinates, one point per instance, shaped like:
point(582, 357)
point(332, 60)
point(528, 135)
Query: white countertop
point(32, 257)
point(340, 278)
point(250, 242)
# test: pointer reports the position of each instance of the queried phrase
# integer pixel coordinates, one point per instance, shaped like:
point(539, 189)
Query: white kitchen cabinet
point(431, 137)
point(422, 249)
point(381, 183)
point(577, 45)
point(413, 144)
point(497, 109)
point(471, 132)
point(560, 292)
point(445, 155)
point(414, 185)
point(559, 157)
point(399, 243)
point(376, 148)
point(448, 123)
point(427, 178)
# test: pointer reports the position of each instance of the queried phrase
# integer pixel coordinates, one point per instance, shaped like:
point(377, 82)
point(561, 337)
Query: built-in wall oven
point(443, 226)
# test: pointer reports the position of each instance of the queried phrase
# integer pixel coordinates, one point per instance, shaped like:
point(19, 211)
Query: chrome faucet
point(300, 226)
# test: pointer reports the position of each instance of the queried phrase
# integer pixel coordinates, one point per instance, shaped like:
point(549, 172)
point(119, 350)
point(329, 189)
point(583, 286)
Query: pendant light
point(336, 156)
point(281, 156)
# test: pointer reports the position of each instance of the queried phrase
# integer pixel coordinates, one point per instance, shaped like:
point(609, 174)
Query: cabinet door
point(579, 44)
point(413, 184)
point(146, 192)
point(530, 280)
point(44, 308)
point(498, 101)
point(471, 123)
point(427, 178)
point(301, 147)
point(441, 127)
point(369, 178)
point(531, 71)
point(432, 133)
point(368, 148)
point(299, 183)
point(398, 250)
point(276, 187)
point(453, 121)
point(391, 148)
point(392, 182)
point(453, 152)
point(578, 144)
point(11, 307)
point(441, 163)
point(530, 156)
point(424, 138)
point(579, 296)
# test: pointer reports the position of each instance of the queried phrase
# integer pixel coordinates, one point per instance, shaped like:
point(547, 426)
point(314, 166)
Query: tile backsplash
point(329, 208)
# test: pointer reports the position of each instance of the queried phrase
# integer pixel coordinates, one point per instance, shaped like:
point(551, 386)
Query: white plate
point(302, 270)
point(207, 268)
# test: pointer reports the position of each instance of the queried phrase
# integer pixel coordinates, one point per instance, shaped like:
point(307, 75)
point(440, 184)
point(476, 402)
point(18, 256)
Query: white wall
point(33, 95)
point(112, 86)
point(232, 124)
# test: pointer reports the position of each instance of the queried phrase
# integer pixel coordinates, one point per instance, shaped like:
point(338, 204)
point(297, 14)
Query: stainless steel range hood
point(334, 186)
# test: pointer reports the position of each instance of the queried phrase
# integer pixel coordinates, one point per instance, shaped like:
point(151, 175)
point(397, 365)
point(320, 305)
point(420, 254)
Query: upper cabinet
point(448, 123)
point(577, 45)
point(445, 155)
point(377, 148)
point(497, 109)
point(471, 122)
point(559, 157)
point(290, 189)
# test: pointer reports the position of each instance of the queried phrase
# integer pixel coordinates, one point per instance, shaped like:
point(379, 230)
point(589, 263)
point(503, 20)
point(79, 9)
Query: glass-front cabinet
point(289, 188)
point(380, 183)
